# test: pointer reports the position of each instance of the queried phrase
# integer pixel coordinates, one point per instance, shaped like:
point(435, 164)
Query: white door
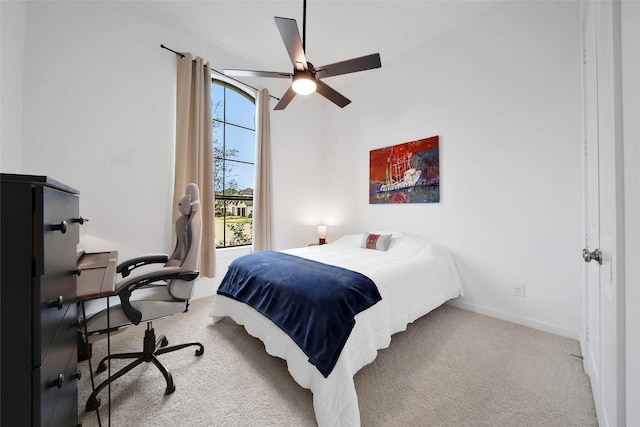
point(591, 338)
point(604, 292)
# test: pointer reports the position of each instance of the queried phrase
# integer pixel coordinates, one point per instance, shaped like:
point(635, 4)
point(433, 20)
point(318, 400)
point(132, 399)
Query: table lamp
point(322, 234)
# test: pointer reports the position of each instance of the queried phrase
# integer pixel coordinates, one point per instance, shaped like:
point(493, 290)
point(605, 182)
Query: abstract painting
point(405, 173)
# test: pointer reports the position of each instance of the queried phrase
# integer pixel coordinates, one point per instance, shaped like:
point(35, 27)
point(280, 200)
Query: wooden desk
point(97, 279)
point(98, 275)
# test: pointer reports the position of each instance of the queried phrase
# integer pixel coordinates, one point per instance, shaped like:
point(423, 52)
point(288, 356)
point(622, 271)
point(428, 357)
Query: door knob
point(594, 255)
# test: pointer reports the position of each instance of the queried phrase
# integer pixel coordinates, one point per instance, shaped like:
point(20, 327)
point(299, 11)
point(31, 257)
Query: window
point(234, 156)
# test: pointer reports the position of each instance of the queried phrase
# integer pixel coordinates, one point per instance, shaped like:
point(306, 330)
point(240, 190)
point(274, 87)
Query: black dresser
point(38, 355)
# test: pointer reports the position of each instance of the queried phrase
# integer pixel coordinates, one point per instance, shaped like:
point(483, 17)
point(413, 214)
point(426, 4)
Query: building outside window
point(234, 155)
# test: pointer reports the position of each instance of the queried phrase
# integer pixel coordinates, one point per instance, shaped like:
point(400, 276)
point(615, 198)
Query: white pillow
point(378, 242)
point(348, 241)
point(411, 244)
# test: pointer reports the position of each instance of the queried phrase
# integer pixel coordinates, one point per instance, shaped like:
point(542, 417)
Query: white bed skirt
point(406, 297)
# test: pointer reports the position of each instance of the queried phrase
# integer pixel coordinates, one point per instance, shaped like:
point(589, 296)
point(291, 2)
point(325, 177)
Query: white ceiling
point(335, 30)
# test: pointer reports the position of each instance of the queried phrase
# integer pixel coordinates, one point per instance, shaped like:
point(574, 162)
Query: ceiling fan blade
point(252, 73)
point(291, 37)
point(285, 100)
point(331, 94)
point(362, 63)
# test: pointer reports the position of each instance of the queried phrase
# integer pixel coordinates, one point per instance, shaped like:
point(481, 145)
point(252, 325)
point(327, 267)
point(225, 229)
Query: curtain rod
point(181, 55)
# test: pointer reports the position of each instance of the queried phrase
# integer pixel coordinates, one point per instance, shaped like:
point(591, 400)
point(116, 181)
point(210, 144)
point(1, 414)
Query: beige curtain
point(262, 187)
point(194, 149)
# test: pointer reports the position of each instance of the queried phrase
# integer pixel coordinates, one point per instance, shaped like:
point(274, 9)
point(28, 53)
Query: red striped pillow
point(378, 242)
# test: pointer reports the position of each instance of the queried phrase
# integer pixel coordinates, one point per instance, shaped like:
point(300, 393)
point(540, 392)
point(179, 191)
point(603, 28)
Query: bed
point(413, 277)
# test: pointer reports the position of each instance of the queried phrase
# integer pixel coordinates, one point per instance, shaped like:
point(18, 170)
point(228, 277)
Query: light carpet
point(452, 367)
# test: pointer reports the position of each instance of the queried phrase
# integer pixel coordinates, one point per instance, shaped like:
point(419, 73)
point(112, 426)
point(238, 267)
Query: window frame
point(250, 95)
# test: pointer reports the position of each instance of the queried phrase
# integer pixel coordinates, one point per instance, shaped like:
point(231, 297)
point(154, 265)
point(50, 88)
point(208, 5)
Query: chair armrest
point(125, 287)
point(126, 267)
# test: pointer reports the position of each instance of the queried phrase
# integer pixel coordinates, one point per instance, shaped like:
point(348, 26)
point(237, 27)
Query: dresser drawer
point(56, 379)
point(55, 286)
point(57, 299)
point(60, 229)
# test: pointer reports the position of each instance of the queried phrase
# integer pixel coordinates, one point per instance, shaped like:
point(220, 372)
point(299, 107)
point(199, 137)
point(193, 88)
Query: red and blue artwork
point(405, 173)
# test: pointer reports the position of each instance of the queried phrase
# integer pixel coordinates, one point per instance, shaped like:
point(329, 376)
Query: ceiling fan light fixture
point(303, 83)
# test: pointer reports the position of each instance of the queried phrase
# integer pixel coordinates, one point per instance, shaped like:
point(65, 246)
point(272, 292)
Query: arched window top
point(235, 85)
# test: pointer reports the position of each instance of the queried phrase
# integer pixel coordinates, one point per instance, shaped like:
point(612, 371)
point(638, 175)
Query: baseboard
point(524, 321)
point(208, 287)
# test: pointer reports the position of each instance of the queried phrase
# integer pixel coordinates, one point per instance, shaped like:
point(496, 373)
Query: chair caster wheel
point(93, 403)
point(170, 390)
point(200, 351)
point(164, 342)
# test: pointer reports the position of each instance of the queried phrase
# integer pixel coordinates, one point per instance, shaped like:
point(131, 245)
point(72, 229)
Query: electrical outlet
point(518, 289)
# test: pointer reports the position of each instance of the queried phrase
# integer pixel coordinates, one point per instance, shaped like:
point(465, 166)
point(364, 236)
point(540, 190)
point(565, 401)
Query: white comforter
point(413, 277)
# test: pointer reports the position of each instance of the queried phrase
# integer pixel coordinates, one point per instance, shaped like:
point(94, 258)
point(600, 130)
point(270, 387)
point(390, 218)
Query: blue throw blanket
point(314, 303)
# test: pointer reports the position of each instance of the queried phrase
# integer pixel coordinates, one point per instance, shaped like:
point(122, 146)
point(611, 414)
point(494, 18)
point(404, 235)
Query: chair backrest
point(188, 241)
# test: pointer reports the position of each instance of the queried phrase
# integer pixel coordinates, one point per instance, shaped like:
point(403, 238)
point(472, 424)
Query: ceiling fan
point(306, 78)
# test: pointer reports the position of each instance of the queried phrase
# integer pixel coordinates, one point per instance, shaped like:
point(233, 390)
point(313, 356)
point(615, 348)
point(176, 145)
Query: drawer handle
point(76, 376)
point(80, 220)
point(58, 382)
point(77, 271)
point(62, 227)
point(57, 303)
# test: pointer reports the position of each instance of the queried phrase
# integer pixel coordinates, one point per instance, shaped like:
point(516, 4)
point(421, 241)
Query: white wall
point(99, 109)
point(297, 148)
point(12, 38)
point(503, 94)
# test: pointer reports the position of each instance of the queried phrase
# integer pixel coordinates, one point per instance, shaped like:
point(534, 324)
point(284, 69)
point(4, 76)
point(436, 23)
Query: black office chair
point(150, 293)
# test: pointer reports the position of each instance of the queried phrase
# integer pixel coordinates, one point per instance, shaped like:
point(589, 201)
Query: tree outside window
point(234, 155)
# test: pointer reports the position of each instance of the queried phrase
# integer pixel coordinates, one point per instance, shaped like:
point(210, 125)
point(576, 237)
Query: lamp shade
point(303, 83)
point(322, 234)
